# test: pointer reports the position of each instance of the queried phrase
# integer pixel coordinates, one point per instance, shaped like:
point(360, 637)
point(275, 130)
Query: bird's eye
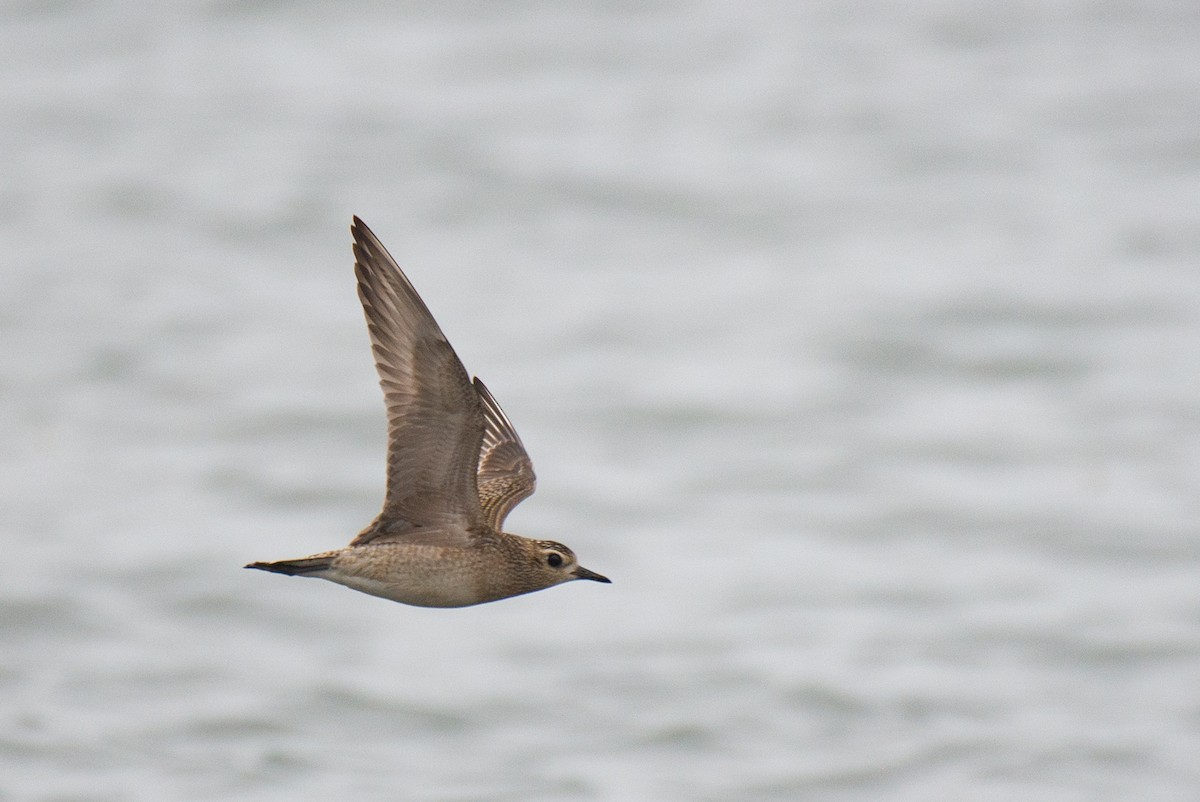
point(554, 559)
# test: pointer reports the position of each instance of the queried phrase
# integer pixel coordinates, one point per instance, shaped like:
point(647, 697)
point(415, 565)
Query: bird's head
point(556, 563)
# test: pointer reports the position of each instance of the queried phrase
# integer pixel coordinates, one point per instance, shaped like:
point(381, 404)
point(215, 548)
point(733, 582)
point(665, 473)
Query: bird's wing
point(435, 420)
point(506, 475)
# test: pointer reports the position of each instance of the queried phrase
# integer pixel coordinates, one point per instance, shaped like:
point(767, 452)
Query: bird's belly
point(423, 576)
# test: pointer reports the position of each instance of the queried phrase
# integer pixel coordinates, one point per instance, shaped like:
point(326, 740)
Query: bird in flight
point(455, 469)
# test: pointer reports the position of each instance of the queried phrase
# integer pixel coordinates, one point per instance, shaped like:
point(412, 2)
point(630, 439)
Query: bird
point(456, 468)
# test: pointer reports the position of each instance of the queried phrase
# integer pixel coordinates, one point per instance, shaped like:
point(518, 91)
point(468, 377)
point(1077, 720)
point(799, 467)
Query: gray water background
point(857, 342)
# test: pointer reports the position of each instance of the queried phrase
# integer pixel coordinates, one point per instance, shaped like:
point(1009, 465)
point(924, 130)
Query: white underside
point(420, 590)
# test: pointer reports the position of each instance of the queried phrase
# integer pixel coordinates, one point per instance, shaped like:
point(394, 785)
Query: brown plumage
point(455, 469)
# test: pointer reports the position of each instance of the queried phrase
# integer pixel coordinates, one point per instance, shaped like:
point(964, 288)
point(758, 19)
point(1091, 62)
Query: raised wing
point(506, 475)
point(435, 419)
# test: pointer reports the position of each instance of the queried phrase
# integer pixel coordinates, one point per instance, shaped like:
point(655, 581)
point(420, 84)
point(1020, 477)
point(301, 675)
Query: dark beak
point(583, 573)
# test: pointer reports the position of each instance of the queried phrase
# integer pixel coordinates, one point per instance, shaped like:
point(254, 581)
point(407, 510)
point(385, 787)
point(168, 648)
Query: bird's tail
point(305, 566)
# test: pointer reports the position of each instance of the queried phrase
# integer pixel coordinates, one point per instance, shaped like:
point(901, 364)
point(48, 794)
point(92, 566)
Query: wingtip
point(358, 229)
point(367, 246)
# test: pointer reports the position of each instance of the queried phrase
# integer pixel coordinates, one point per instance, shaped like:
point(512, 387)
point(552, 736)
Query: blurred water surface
point(855, 341)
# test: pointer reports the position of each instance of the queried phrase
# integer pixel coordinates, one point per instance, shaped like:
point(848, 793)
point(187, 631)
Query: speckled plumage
point(455, 469)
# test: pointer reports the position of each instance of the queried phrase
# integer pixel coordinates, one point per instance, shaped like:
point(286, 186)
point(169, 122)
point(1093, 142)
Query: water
point(855, 342)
